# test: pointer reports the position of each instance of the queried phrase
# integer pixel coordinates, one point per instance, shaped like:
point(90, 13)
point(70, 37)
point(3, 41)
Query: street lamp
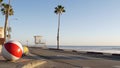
point(9, 29)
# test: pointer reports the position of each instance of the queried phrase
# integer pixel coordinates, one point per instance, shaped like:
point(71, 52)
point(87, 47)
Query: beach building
point(1, 32)
point(1, 35)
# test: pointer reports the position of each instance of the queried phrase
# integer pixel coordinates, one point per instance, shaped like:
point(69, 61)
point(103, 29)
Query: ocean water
point(104, 49)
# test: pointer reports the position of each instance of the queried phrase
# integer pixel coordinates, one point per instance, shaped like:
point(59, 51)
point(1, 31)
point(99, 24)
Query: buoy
point(12, 50)
point(25, 50)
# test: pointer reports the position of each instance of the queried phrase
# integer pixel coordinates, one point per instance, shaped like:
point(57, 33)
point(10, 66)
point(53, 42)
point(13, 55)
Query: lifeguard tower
point(39, 41)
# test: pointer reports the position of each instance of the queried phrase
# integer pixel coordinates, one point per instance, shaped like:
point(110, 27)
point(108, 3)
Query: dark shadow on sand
point(109, 57)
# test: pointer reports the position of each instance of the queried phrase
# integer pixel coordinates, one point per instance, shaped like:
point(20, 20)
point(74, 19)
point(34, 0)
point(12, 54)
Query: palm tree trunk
point(6, 23)
point(5, 27)
point(58, 31)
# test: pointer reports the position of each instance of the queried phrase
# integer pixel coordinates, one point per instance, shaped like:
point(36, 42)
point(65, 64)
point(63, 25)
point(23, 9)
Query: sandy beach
point(52, 58)
point(76, 60)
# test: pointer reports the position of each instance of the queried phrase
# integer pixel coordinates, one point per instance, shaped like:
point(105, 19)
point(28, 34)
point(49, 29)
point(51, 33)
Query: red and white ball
point(12, 50)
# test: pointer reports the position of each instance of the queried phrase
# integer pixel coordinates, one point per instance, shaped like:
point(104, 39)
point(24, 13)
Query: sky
point(85, 22)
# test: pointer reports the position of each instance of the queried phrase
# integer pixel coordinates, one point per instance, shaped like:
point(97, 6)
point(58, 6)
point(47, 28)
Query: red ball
point(12, 50)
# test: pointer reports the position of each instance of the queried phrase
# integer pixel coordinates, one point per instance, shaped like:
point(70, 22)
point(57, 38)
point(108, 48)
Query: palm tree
point(59, 10)
point(7, 10)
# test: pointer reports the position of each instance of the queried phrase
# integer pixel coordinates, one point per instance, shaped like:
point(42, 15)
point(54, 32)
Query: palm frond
point(59, 9)
point(63, 10)
point(1, 1)
point(3, 4)
point(6, 8)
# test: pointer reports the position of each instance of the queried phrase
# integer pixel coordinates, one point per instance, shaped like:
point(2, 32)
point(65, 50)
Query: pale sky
point(85, 22)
